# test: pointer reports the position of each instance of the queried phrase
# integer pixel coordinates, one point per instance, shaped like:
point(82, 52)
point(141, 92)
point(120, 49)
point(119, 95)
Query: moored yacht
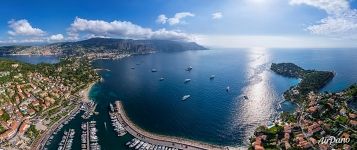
point(111, 107)
point(189, 68)
point(187, 80)
point(186, 97)
point(212, 77)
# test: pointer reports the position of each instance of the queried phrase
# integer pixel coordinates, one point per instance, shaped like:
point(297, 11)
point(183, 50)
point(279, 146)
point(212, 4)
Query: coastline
point(40, 143)
point(85, 92)
point(180, 143)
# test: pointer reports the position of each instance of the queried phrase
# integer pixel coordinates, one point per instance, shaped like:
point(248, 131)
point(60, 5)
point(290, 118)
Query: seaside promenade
point(40, 143)
point(169, 141)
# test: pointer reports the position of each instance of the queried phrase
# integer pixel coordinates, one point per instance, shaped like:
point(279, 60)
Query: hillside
point(103, 45)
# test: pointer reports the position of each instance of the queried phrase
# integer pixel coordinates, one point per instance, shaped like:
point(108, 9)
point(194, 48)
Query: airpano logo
point(333, 140)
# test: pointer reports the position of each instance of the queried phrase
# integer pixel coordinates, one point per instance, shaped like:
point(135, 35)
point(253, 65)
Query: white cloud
point(23, 27)
point(161, 19)
point(330, 6)
point(177, 19)
point(341, 21)
point(56, 37)
point(122, 29)
point(217, 15)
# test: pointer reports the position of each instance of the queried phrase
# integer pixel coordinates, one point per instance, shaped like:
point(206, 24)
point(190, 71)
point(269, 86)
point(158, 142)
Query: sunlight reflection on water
point(258, 108)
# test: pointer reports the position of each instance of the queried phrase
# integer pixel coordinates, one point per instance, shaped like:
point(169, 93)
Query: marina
point(47, 140)
point(67, 140)
point(118, 127)
point(89, 109)
point(89, 138)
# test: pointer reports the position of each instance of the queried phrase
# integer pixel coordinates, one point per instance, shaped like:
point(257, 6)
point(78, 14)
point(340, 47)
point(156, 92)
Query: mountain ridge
point(103, 45)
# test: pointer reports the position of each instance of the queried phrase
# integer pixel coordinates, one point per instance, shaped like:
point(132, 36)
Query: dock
point(169, 141)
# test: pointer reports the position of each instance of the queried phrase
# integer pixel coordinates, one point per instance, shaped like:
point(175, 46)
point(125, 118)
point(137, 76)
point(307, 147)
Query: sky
point(212, 23)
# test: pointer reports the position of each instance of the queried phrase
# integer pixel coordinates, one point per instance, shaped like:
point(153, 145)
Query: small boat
point(187, 80)
point(228, 88)
point(212, 77)
point(186, 97)
point(111, 107)
point(153, 70)
point(189, 68)
point(162, 79)
point(245, 97)
point(132, 68)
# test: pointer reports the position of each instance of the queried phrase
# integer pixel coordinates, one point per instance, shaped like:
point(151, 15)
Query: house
point(23, 128)
point(343, 112)
point(353, 123)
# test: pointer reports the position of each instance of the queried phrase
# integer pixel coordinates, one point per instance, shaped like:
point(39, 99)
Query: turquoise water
point(211, 114)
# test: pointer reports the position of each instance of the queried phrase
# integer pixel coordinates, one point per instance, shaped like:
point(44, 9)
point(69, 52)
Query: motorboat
point(186, 97)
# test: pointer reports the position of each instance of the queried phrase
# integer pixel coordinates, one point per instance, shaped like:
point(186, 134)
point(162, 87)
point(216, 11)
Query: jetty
point(155, 139)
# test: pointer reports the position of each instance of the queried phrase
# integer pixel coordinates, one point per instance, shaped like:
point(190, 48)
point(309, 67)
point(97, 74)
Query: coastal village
point(319, 116)
point(37, 100)
point(34, 98)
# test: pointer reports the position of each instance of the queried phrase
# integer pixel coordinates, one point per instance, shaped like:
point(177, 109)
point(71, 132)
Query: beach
point(85, 92)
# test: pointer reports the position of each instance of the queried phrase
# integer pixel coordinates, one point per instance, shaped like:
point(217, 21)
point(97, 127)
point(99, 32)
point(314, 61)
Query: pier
point(168, 141)
point(67, 140)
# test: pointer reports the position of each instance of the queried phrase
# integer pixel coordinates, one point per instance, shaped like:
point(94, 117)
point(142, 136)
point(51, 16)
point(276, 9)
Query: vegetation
point(32, 132)
point(103, 45)
point(288, 117)
point(311, 80)
point(2, 129)
point(5, 116)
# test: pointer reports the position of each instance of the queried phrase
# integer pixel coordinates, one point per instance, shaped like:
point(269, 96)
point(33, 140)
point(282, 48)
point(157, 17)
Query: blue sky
point(213, 23)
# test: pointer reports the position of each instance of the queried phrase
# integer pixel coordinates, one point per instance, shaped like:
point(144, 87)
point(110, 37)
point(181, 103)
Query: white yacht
point(187, 80)
point(186, 97)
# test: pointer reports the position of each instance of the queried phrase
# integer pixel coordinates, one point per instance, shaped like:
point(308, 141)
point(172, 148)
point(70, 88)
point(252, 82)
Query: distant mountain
point(104, 45)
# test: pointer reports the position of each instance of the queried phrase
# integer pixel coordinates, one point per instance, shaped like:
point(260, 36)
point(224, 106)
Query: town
point(318, 116)
point(36, 98)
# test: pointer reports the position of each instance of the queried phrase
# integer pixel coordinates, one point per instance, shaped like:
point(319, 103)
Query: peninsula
point(318, 116)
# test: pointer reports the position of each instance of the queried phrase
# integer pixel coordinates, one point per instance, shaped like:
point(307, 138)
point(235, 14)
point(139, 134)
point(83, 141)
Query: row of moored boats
point(141, 145)
point(89, 136)
point(118, 127)
point(67, 140)
point(49, 141)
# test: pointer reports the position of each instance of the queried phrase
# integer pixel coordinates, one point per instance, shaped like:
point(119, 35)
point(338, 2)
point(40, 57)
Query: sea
point(212, 114)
